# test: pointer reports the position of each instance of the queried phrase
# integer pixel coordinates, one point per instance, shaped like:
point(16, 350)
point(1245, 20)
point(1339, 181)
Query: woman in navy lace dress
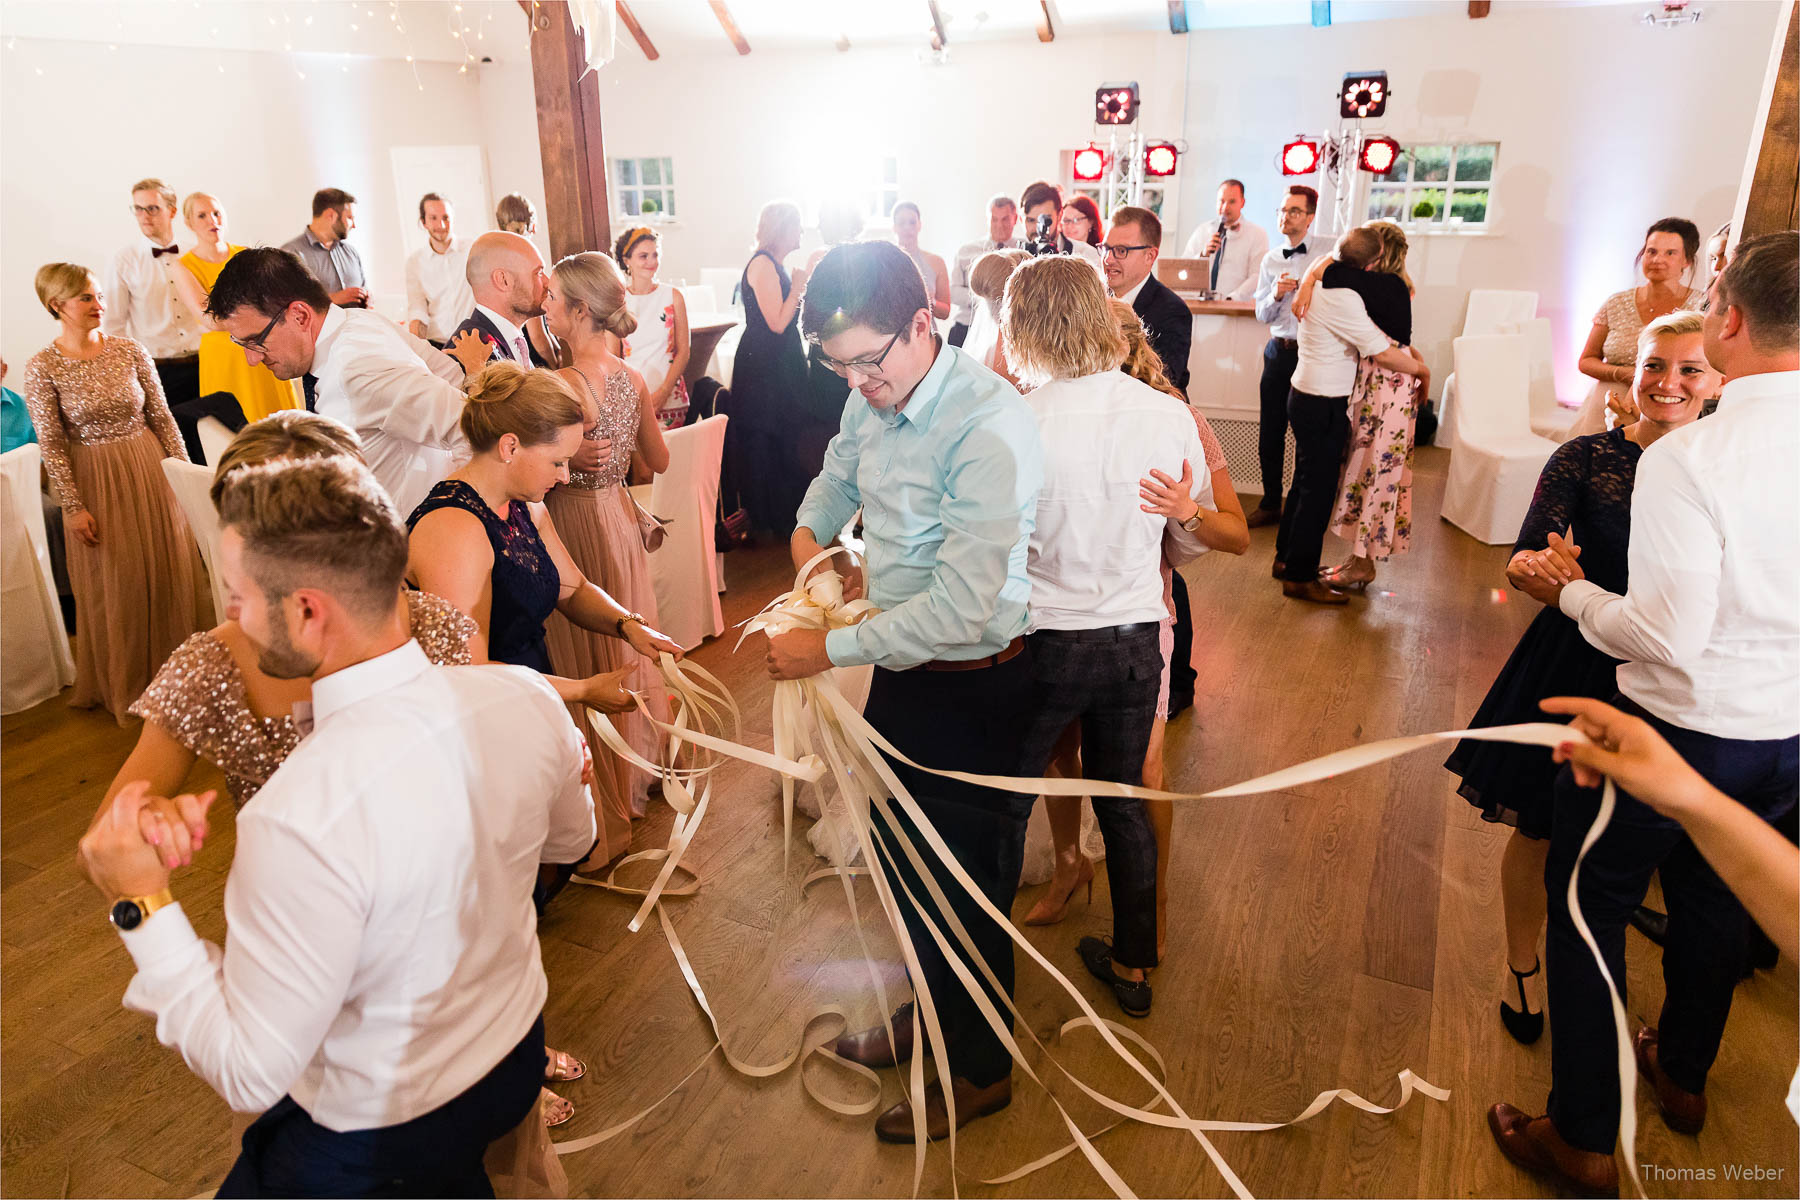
point(1579, 525)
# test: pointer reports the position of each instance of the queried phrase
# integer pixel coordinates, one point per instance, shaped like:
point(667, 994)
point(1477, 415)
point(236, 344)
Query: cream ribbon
point(813, 719)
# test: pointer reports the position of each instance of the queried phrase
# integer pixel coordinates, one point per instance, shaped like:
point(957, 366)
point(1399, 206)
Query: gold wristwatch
point(627, 619)
point(133, 911)
point(1192, 524)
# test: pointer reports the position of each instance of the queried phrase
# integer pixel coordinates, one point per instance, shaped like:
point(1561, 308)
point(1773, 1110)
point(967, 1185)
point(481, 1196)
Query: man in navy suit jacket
point(1132, 245)
point(506, 274)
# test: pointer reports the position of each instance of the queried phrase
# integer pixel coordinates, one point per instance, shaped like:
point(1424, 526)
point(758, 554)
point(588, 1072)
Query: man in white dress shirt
point(380, 999)
point(141, 301)
point(1709, 635)
point(1235, 245)
point(1283, 268)
point(1003, 219)
point(437, 283)
point(1334, 334)
point(403, 398)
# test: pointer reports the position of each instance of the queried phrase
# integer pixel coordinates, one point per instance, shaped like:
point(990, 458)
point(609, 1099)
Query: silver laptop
point(1185, 276)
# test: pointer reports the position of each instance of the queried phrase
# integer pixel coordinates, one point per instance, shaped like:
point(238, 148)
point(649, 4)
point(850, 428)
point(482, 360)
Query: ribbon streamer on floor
point(814, 725)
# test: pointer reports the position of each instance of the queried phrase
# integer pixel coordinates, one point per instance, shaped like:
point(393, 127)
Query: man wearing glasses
point(944, 460)
point(1132, 245)
point(142, 303)
point(1279, 277)
point(365, 372)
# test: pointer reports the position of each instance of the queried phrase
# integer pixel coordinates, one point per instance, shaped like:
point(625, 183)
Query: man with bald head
point(506, 274)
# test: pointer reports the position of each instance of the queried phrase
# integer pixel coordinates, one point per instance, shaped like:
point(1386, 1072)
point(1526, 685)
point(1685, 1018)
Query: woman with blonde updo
point(586, 300)
point(105, 428)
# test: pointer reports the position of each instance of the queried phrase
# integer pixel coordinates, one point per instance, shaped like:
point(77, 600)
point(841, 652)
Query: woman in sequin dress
point(585, 301)
point(105, 428)
point(485, 541)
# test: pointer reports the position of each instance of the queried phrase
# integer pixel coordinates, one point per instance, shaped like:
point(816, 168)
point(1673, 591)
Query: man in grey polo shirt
point(325, 248)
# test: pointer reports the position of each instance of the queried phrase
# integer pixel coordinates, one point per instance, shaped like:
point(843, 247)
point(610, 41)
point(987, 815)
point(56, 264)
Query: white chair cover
point(700, 299)
point(1491, 310)
point(723, 281)
point(35, 662)
point(192, 485)
point(214, 438)
point(684, 569)
point(1495, 466)
point(1548, 418)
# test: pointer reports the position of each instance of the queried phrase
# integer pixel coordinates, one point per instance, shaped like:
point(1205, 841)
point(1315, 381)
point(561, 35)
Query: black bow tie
point(159, 251)
point(1290, 251)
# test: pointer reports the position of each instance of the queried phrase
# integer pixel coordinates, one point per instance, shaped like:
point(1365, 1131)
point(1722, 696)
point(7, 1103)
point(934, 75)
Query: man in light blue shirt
point(1283, 267)
point(943, 458)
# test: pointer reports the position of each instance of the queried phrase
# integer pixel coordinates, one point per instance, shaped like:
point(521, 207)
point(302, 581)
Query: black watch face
point(127, 915)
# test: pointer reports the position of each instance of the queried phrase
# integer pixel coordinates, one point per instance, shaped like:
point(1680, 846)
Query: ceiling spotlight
point(1159, 159)
point(1379, 154)
point(1300, 157)
point(1364, 94)
point(1090, 163)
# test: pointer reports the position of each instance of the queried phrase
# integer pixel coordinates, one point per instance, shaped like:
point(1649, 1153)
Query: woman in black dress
point(768, 377)
point(1579, 525)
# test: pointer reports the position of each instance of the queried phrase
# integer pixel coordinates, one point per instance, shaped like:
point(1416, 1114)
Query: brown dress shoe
point(871, 1048)
point(1260, 516)
point(1533, 1143)
point(1277, 570)
point(1313, 592)
point(1683, 1111)
point(896, 1124)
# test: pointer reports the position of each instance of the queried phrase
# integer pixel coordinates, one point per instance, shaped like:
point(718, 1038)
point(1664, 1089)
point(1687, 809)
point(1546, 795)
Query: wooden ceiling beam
point(1479, 8)
point(729, 26)
point(939, 39)
point(1046, 29)
point(630, 21)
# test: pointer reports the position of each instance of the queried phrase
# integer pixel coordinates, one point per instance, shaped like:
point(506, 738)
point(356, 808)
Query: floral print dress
point(1374, 508)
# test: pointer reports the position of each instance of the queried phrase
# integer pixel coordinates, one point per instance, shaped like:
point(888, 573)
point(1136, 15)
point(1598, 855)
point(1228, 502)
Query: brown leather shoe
point(871, 1048)
point(1260, 516)
point(896, 1124)
point(1683, 1111)
point(1313, 592)
point(1276, 570)
point(1533, 1143)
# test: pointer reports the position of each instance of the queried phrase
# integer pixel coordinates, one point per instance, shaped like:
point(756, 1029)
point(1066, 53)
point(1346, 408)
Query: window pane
point(1428, 204)
point(1387, 203)
point(627, 171)
point(653, 171)
point(1476, 162)
point(1398, 174)
point(668, 168)
point(890, 170)
point(1431, 164)
point(652, 203)
point(628, 200)
point(1470, 204)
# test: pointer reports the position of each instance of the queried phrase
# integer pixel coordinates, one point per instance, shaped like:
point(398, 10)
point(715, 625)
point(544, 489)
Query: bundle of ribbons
point(820, 736)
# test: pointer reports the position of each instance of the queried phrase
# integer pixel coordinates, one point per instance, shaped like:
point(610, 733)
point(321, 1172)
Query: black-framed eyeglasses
point(256, 341)
point(1112, 251)
point(862, 366)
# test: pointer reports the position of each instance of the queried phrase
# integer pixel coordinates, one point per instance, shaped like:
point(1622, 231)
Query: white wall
point(791, 124)
point(1604, 125)
point(96, 120)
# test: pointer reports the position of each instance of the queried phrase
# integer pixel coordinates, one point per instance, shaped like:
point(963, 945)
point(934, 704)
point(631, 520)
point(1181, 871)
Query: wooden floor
point(1330, 936)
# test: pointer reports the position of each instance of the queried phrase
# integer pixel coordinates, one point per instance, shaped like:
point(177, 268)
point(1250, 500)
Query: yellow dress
point(223, 367)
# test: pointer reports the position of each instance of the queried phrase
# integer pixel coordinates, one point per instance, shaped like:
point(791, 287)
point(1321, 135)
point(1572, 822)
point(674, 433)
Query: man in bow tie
point(1234, 244)
point(1279, 277)
point(141, 301)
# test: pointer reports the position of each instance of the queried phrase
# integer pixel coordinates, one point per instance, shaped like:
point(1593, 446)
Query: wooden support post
point(1769, 197)
point(576, 212)
point(938, 38)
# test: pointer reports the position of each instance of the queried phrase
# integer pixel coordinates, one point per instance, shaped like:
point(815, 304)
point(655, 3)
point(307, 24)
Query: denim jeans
point(1107, 680)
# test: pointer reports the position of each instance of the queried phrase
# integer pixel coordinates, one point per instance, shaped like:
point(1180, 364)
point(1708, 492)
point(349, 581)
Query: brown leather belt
point(1007, 653)
point(1286, 343)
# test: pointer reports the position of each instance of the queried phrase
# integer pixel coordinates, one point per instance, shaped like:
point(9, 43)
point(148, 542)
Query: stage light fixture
point(1116, 104)
point(1364, 94)
point(1379, 154)
point(1160, 159)
point(1300, 157)
point(1090, 163)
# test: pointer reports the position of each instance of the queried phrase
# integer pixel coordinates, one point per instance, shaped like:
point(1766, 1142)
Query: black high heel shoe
point(1525, 1026)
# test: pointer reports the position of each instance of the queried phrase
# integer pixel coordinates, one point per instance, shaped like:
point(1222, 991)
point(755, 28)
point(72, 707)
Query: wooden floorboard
point(1327, 936)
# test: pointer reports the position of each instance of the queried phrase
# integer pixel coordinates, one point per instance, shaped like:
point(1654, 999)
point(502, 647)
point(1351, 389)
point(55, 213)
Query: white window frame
point(1442, 222)
point(638, 191)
